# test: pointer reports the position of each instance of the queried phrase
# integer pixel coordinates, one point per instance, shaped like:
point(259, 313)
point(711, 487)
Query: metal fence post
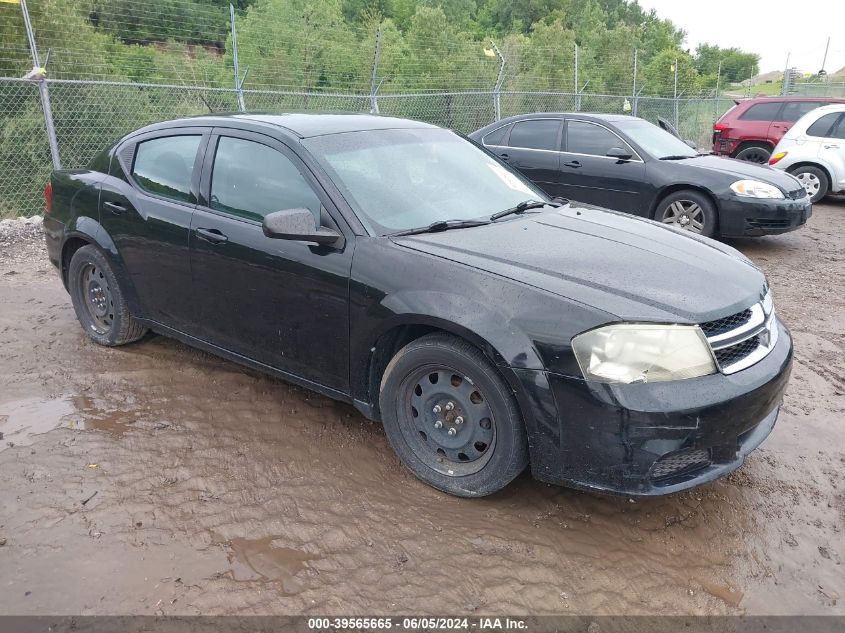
point(675, 96)
point(239, 83)
point(787, 77)
point(577, 91)
point(374, 77)
point(634, 87)
point(500, 79)
point(718, 86)
point(43, 91)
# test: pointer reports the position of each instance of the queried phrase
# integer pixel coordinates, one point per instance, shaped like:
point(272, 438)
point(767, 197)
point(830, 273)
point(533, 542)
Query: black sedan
point(398, 267)
point(628, 164)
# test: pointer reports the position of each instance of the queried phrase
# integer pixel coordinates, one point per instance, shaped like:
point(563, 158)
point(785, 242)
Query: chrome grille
point(726, 324)
point(742, 339)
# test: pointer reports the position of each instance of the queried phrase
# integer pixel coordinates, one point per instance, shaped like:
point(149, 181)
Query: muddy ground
point(157, 479)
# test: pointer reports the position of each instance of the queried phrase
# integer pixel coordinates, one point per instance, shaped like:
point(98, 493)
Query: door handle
point(573, 163)
point(503, 156)
point(115, 207)
point(831, 146)
point(212, 236)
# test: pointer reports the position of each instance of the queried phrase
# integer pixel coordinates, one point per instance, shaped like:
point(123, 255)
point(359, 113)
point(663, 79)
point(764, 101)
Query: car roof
point(301, 124)
point(754, 100)
point(597, 116)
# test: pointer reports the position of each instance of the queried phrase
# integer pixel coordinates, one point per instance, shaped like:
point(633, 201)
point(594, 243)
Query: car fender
point(90, 230)
point(482, 324)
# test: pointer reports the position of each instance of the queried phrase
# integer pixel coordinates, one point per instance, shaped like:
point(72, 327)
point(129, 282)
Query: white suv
point(813, 151)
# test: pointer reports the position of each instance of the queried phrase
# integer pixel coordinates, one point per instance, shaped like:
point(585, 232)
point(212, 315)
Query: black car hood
point(739, 169)
point(629, 267)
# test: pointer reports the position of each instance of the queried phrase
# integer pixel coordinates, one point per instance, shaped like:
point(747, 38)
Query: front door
point(587, 174)
point(283, 303)
point(146, 204)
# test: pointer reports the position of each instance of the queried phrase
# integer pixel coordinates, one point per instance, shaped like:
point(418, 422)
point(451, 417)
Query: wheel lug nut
point(437, 408)
point(459, 420)
point(438, 424)
point(450, 406)
point(452, 431)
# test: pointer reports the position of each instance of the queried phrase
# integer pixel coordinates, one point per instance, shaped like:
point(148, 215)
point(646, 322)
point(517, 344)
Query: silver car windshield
point(654, 140)
point(401, 179)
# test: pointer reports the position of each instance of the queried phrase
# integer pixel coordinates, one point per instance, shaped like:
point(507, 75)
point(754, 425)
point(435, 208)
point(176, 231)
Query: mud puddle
point(216, 490)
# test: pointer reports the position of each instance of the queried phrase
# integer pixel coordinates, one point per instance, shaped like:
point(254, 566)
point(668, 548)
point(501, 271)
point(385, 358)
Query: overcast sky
point(770, 28)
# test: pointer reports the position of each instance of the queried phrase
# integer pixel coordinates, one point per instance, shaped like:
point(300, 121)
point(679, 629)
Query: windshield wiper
point(677, 157)
point(522, 206)
point(442, 225)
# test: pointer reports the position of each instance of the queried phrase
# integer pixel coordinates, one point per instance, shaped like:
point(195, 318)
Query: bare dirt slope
point(157, 479)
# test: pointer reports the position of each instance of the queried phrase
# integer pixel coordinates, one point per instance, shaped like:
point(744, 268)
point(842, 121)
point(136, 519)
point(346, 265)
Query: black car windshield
point(401, 179)
point(654, 140)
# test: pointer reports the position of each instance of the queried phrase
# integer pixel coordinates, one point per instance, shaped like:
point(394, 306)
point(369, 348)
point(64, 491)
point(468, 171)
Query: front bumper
point(749, 217)
point(653, 438)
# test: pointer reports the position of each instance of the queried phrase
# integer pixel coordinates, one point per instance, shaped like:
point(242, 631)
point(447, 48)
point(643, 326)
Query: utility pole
point(824, 61)
point(716, 100)
point(577, 92)
point(675, 94)
point(787, 78)
point(38, 75)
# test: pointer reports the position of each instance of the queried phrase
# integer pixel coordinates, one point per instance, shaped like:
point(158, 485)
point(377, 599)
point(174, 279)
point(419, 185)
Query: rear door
point(146, 205)
point(283, 303)
point(754, 123)
point(588, 175)
point(533, 148)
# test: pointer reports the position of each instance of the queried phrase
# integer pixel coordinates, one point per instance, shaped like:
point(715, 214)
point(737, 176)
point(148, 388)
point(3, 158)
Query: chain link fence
point(24, 152)
point(88, 115)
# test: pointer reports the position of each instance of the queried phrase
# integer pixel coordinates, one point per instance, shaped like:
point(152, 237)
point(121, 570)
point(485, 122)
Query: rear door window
point(164, 166)
point(794, 110)
point(496, 137)
point(536, 134)
point(762, 112)
point(822, 128)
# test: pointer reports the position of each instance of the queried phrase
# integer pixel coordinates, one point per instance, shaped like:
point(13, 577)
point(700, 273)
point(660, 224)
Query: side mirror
point(619, 154)
point(297, 224)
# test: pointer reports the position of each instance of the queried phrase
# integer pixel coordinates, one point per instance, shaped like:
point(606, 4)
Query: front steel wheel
point(451, 418)
point(446, 420)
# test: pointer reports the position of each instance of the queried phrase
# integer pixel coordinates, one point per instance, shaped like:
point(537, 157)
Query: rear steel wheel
point(814, 181)
point(98, 298)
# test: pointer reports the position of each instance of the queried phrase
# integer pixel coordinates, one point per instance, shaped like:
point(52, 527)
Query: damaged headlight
point(643, 352)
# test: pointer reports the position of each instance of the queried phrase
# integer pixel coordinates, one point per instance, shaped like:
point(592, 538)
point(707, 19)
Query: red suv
point(751, 129)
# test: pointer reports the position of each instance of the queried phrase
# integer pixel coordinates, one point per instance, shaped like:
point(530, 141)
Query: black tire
point(489, 447)
point(689, 210)
point(814, 180)
point(756, 153)
point(98, 300)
